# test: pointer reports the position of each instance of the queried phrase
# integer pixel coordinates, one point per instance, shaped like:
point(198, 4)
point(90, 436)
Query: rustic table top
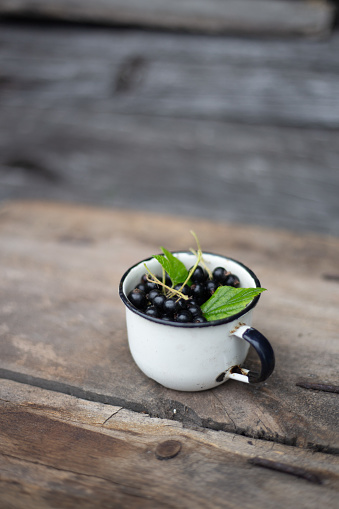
point(82, 424)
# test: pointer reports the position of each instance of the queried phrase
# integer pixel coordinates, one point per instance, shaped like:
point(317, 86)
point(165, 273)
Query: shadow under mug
point(195, 356)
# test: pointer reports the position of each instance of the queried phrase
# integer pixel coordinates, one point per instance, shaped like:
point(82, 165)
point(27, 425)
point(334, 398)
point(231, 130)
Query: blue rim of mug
point(213, 323)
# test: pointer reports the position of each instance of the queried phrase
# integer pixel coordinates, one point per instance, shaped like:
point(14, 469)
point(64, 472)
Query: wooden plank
point(59, 451)
point(278, 17)
point(260, 175)
point(78, 120)
point(277, 82)
point(63, 323)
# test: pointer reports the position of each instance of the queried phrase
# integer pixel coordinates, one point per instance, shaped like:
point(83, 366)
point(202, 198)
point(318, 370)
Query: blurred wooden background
point(227, 110)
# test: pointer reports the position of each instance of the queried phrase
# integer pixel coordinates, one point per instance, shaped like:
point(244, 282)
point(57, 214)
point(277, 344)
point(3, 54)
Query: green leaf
point(227, 301)
point(174, 267)
point(164, 262)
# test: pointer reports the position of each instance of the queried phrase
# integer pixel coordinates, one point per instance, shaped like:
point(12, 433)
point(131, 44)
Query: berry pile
point(150, 298)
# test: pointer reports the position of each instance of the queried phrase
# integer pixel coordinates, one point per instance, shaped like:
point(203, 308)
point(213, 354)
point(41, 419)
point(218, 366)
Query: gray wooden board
point(264, 175)
point(283, 17)
point(83, 113)
point(291, 82)
point(60, 451)
point(62, 322)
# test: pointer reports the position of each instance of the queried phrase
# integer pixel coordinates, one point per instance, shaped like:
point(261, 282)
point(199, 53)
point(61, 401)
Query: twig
point(318, 387)
point(153, 279)
point(191, 271)
point(170, 291)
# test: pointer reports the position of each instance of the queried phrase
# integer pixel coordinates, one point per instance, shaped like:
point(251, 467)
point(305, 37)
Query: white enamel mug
point(195, 356)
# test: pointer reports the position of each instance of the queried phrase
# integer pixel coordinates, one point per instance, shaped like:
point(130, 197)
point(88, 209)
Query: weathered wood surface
point(278, 17)
point(58, 451)
point(226, 129)
point(291, 82)
point(62, 323)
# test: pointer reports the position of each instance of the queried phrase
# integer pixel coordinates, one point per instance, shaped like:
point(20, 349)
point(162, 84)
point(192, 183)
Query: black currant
point(199, 275)
point(184, 316)
point(152, 294)
point(168, 281)
point(220, 274)
point(138, 299)
point(199, 319)
point(170, 306)
point(159, 301)
point(152, 311)
point(142, 287)
point(211, 286)
point(194, 310)
point(152, 286)
point(198, 293)
point(186, 290)
point(232, 280)
point(167, 318)
point(181, 303)
point(144, 279)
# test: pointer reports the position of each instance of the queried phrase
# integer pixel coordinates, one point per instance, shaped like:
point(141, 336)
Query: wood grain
point(226, 129)
point(53, 458)
point(278, 17)
point(63, 323)
point(275, 82)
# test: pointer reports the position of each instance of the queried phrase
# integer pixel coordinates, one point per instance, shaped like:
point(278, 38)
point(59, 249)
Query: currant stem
point(192, 269)
point(196, 239)
point(152, 278)
point(209, 272)
point(203, 263)
point(163, 279)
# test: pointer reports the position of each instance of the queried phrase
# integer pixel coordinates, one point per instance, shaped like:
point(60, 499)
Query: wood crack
point(287, 469)
point(184, 414)
point(110, 417)
point(225, 411)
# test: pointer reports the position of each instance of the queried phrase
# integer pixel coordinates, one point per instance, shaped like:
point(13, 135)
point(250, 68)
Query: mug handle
point(264, 351)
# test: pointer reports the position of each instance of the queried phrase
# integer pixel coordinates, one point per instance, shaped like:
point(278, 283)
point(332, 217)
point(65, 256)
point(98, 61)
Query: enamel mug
point(195, 356)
